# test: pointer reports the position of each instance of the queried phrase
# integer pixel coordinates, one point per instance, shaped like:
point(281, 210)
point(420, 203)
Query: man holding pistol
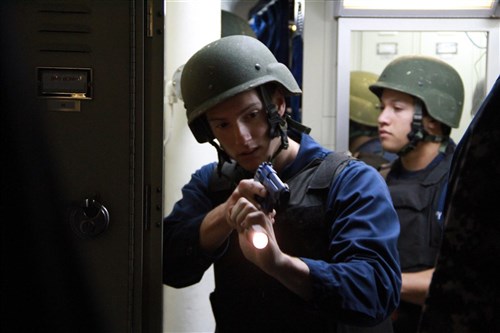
point(331, 257)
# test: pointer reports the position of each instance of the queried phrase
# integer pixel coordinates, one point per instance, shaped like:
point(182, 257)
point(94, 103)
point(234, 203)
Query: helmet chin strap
point(418, 133)
point(222, 156)
point(277, 124)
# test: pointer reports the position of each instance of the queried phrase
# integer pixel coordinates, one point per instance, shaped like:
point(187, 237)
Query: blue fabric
point(269, 20)
point(360, 282)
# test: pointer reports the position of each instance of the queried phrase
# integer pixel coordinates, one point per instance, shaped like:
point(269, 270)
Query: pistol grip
point(265, 203)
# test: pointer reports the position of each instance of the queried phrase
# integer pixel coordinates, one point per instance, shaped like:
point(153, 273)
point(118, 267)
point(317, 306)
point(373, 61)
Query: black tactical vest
point(263, 304)
point(416, 203)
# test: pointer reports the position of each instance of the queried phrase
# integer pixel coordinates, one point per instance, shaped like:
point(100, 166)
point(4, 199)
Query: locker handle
point(89, 219)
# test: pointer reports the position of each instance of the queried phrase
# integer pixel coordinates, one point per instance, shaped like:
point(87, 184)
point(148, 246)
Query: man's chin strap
point(222, 156)
point(277, 124)
point(418, 133)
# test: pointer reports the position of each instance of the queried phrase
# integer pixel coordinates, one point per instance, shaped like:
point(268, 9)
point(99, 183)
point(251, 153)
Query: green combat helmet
point(434, 83)
point(232, 24)
point(225, 68)
point(363, 105)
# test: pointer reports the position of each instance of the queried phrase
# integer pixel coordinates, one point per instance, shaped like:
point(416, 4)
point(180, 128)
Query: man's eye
point(221, 125)
point(252, 115)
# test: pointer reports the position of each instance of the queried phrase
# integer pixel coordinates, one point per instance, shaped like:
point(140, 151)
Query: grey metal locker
point(82, 120)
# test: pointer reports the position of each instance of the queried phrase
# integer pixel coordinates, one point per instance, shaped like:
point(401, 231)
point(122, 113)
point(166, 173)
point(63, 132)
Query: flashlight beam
point(258, 236)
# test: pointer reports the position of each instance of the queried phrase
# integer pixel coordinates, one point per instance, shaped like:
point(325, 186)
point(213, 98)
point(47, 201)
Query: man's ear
point(433, 126)
point(280, 101)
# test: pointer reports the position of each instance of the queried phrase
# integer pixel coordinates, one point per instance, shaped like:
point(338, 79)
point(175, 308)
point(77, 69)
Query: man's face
point(241, 127)
point(394, 121)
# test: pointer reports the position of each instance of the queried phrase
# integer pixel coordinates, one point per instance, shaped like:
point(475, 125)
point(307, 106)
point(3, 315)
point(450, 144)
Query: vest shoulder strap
point(229, 177)
point(329, 169)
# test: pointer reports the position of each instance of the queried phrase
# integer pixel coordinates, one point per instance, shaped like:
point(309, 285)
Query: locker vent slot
point(64, 8)
point(65, 28)
point(72, 48)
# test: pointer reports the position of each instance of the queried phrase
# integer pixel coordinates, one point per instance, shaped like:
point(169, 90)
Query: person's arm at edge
point(416, 286)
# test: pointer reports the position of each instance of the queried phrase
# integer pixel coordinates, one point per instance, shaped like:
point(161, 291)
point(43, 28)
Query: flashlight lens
point(259, 240)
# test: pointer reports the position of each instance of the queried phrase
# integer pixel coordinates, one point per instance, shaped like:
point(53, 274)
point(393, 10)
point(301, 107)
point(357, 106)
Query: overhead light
point(421, 4)
point(420, 8)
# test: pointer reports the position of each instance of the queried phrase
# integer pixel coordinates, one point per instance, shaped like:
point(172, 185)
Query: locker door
point(84, 132)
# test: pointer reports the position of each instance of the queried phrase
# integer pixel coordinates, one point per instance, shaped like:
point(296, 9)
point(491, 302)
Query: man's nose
point(382, 117)
point(241, 133)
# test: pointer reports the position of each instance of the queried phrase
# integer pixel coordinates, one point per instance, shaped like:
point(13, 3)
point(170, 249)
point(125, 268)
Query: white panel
point(370, 41)
point(319, 85)
point(190, 24)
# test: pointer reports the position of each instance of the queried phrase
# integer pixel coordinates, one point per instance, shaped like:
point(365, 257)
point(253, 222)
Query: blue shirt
point(358, 284)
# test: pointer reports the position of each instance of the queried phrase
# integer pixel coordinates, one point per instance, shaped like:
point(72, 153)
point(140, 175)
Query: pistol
point(278, 192)
point(278, 195)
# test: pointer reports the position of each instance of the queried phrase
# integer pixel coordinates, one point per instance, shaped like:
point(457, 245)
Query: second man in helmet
point(421, 100)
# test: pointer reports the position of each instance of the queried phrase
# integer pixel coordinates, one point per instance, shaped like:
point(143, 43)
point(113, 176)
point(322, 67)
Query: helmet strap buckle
point(277, 124)
point(417, 132)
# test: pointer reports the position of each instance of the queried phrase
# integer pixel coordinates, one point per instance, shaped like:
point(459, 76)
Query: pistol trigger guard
point(264, 203)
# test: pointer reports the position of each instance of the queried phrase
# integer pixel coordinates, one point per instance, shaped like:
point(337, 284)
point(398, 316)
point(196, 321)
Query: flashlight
point(258, 236)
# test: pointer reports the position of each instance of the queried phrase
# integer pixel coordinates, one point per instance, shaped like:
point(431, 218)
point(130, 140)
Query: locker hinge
point(147, 207)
